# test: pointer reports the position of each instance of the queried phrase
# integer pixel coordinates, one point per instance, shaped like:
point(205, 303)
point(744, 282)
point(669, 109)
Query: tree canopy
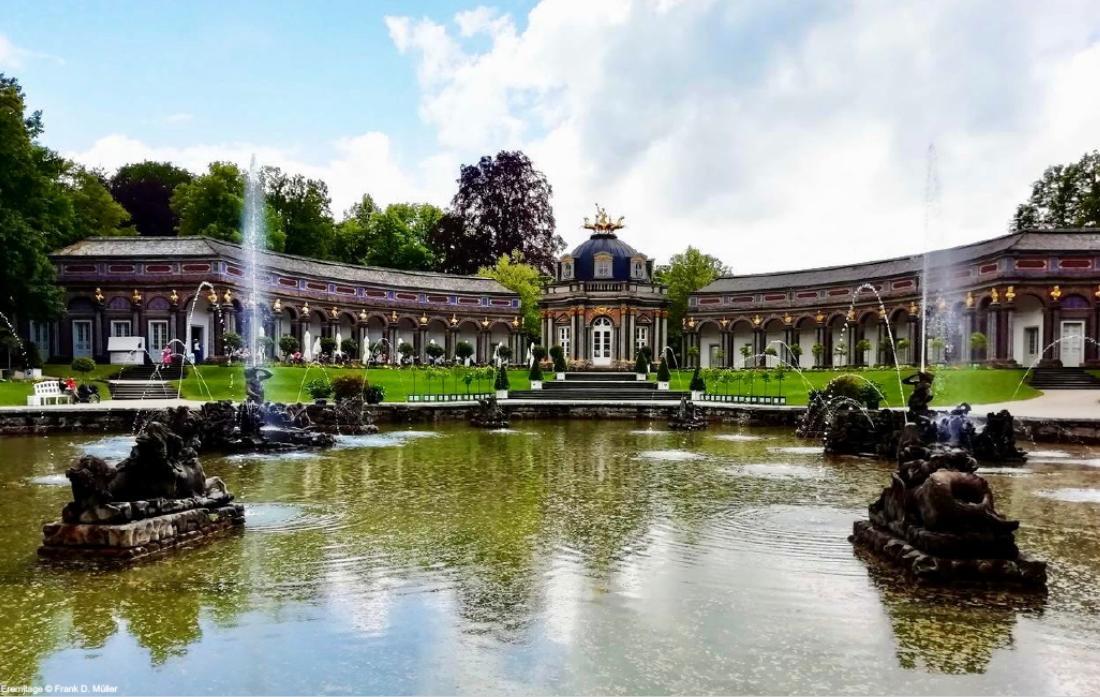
point(396, 237)
point(686, 273)
point(502, 206)
point(95, 211)
point(35, 211)
point(145, 189)
point(1066, 196)
point(303, 208)
point(212, 204)
point(522, 279)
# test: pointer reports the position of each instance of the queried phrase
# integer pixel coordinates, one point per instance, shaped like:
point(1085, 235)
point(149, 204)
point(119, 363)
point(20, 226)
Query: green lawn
point(225, 382)
point(952, 386)
point(16, 392)
point(977, 386)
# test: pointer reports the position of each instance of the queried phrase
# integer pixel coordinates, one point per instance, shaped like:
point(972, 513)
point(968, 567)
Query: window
point(1031, 340)
point(641, 337)
point(603, 267)
point(158, 334)
point(40, 337)
point(563, 340)
point(82, 337)
point(120, 327)
point(567, 269)
point(637, 269)
point(601, 340)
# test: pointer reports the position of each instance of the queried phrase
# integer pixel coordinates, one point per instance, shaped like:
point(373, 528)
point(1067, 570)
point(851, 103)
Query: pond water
point(565, 557)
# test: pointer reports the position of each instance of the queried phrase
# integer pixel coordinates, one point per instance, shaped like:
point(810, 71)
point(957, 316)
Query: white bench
point(47, 391)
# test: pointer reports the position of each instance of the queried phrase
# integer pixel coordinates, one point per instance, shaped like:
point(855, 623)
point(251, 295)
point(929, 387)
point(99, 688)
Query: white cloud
point(179, 117)
point(774, 135)
point(14, 57)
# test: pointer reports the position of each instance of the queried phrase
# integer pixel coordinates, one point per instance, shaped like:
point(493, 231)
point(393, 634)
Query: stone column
point(788, 340)
point(421, 342)
point(915, 341)
point(99, 332)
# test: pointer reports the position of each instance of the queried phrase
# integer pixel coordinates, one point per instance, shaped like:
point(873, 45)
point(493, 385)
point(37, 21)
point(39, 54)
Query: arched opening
point(711, 351)
point(806, 329)
point(742, 344)
point(1027, 330)
point(838, 345)
point(603, 339)
point(774, 339)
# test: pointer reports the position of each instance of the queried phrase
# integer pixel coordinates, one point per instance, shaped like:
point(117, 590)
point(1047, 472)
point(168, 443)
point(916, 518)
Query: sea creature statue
point(489, 414)
point(254, 378)
point(938, 521)
point(687, 417)
point(162, 466)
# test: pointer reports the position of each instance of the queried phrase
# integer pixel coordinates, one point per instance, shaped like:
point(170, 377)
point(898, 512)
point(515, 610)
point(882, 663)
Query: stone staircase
point(144, 382)
point(599, 386)
point(1063, 379)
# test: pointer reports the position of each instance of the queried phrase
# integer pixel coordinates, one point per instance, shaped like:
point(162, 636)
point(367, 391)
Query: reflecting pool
point(561, 557)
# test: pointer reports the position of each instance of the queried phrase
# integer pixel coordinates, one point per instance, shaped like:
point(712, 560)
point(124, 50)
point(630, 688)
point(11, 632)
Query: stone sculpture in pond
point(937, 520)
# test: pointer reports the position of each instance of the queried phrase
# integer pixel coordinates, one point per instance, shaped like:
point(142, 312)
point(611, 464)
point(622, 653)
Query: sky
point(772, 135)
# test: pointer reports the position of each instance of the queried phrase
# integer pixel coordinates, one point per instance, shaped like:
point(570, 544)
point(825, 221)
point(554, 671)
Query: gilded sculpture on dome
point(603, 222)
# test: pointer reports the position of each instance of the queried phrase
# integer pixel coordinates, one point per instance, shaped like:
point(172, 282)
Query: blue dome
point(584, 265)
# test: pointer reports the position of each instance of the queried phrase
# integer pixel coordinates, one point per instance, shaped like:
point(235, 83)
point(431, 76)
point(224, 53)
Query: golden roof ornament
point(305, 308)
point(1097, 293)
point(882, 313)
point(174, 297)
point(820, 317)
point(363, 315)
point(603, 224)
point(277, 305)
point(994, 296)
point(969, 299)
point(485, 322)
point(227, 296)
point(723, 322)
point(454, 319)
point(691, 323)
point(212, 296)
point(787, 319)
point(136, 296)
point(515, 321)
point(757, 319)
point(850, 316)
point(423, 318)
point(99, 297)
point(913, 309)
point(334, 312)
point(1056, 293)
point(1010, 294)
point(393, 315)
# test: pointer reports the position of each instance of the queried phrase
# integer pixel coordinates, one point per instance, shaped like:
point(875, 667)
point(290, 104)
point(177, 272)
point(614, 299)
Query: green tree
point(502, 206)
point(212, 205)
point(35, 210)
point(1067, 196)
point(351, 242)
point(522, 279)
point(302, 206)
point(95, 211)
point(145, 189)
point(686, 273)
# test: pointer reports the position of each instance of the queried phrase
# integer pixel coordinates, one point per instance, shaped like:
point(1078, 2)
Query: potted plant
point(232, 342)
point(663, 375)
point(841, 351)
point(501, 384)
point(535, 374)
point(328, 347)
point(505, 353)
point(558, 356)
point(796, 353)
point(288, 345)
point(374, 394)
point(641, 367)
point(770, 351)
point(746, 353)
point(698, 386)
point(347, 387)
point(818, 350)
point(463, 351)
point(33, 360)
point(405, 349)
point(938, 346)
point(319, 389)
point(350, 349)
point(862, 347)
point(978, 344)
point(903, 347)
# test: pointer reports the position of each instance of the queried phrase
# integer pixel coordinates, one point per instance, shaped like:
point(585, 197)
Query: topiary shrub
point(535, 374)
point(558, 356)
point(83, 365)
point(539, 353)
point(347, 386)
point(434, 351)
point(697, 382)
point(641, 366)
point(502, 379)
point(350, 347)
point(328, 345)
point(232, 341)
point(374, 394)
point(406, 350)
point(288, 344)
point(267, 345)
point(504, 352)
point(463, 350)
point(33, 359)
point(663, 374)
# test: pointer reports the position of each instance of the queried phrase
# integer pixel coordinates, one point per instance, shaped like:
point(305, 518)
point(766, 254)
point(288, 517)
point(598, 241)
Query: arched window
point(603, 266)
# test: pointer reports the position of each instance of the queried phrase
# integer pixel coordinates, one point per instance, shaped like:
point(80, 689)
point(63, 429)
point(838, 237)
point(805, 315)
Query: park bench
point(48, 391)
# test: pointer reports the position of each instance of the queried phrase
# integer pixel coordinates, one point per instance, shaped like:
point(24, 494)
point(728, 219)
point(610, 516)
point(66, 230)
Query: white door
point(1073, 344)
point(158, 335)
point(601, 341)
point(82, 338)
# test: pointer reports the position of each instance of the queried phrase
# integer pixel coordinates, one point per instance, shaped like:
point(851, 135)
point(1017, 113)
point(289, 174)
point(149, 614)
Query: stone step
point(663, 396)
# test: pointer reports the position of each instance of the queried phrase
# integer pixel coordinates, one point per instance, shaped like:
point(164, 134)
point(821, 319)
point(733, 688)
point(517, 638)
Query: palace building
point(603, 304)
point(1034, 296)
point(190, 291)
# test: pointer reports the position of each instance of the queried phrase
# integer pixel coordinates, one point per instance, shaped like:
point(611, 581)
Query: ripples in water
point(111, 448)
point(738, 437)
point(815, 536)
point(287, 517)
point(388, 439)
point(798, 450)
point(670, 455)
point(982, 469)
point(274, 456)
point(1071, 495)
point(779, 471)
point(50, 480)
point(649, 432)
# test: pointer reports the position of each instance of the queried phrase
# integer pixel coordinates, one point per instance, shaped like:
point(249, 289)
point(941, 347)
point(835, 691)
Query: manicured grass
point(952, 386)
point(227, 382)
point(17, 391)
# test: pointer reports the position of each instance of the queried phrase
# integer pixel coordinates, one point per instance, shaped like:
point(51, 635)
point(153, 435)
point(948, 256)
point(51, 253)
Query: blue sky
point(770, 134)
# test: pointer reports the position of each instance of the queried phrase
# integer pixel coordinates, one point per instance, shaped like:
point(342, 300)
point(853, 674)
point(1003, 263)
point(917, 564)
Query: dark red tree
point(502, 206)
point(145, 190)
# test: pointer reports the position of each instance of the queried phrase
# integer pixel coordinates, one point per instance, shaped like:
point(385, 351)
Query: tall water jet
point(931, 218)
point(254, 233)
